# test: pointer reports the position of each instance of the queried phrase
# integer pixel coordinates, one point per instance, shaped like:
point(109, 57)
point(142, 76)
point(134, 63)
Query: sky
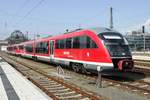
point(53, 17)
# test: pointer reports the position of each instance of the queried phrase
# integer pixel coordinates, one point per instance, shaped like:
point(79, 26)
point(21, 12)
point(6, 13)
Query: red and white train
point(82, 50)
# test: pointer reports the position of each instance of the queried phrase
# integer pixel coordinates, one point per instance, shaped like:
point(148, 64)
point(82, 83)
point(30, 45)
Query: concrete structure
point(14, 86)
point(137, 40)
point(3, 44)
point(3, 48)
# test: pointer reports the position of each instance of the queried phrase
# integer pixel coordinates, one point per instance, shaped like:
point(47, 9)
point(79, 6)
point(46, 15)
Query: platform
point(14, 86)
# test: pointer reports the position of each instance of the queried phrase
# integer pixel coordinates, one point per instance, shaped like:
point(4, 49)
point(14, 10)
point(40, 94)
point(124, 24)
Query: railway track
point(143, 63)
point(139, 86)
point(55, 87)
point(134, 86)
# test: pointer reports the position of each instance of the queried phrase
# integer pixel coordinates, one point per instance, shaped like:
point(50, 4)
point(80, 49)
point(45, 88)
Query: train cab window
point(42, 47)
point(68, 43)
point(29, 48)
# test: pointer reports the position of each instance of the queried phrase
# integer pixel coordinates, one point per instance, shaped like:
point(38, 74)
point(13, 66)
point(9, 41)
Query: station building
point(3, 45)
point(137, 40)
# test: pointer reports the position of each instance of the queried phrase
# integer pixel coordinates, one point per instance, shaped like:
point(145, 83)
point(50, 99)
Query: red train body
point(81, 50)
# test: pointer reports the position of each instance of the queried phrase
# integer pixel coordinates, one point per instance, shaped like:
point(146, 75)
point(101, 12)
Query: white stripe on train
point(107, 65)
point(87, 62)
point(79, 61)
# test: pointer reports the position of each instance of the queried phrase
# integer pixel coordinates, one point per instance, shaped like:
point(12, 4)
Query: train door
point(51, 49)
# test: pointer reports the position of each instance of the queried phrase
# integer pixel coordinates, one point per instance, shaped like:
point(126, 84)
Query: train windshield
point(116, 44)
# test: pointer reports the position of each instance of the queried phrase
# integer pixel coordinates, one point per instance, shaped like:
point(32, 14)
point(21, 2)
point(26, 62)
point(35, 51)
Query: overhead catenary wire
point(30, 11)
point(22, 6)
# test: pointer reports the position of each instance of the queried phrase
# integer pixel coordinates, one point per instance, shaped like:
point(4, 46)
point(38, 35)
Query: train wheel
point(83, 70)
point(35, 58)
point(76, 67)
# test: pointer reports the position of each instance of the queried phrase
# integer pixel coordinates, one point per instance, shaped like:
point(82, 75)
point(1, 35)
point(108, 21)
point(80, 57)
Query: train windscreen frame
point(116, 44)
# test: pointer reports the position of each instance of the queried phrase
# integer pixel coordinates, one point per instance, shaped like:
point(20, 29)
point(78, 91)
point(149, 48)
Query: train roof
point(96, 30)
point(99, 30)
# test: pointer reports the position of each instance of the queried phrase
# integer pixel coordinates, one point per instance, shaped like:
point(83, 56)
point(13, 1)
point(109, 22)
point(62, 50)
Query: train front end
point(118, 48)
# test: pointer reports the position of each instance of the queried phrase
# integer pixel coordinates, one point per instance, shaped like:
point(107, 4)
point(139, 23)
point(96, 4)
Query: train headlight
point(126, 63)
point(123, 54)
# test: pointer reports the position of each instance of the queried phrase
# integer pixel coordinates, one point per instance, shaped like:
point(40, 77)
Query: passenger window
point(57, 44)
point(15, 48)
point(21, 47)
point(76, 42)
point(42, 47)
point(91, 43)
point(62, 44)
point(68, 43)
point(29, 48)
point(83, 42)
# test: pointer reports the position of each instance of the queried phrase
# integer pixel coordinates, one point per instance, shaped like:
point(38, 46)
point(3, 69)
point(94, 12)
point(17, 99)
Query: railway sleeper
point(79, 98)
point(43, 80)
point(56, 85)
point(144, 86)
point(69, 94)
point(85, 98)
point(51, 84)
point(58, 88)
point(48, 82)
point(44, 83)
point(36, 78)
point(135, 84)
point(57, 91)
point(71, 97)
point(65, 93)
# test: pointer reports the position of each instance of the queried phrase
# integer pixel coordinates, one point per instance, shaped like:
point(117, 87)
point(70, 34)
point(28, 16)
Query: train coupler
point(125, 64)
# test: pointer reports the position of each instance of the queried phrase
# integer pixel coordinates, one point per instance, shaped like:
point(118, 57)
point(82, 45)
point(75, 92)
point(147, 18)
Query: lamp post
point(143, 31)
point(111, 18)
